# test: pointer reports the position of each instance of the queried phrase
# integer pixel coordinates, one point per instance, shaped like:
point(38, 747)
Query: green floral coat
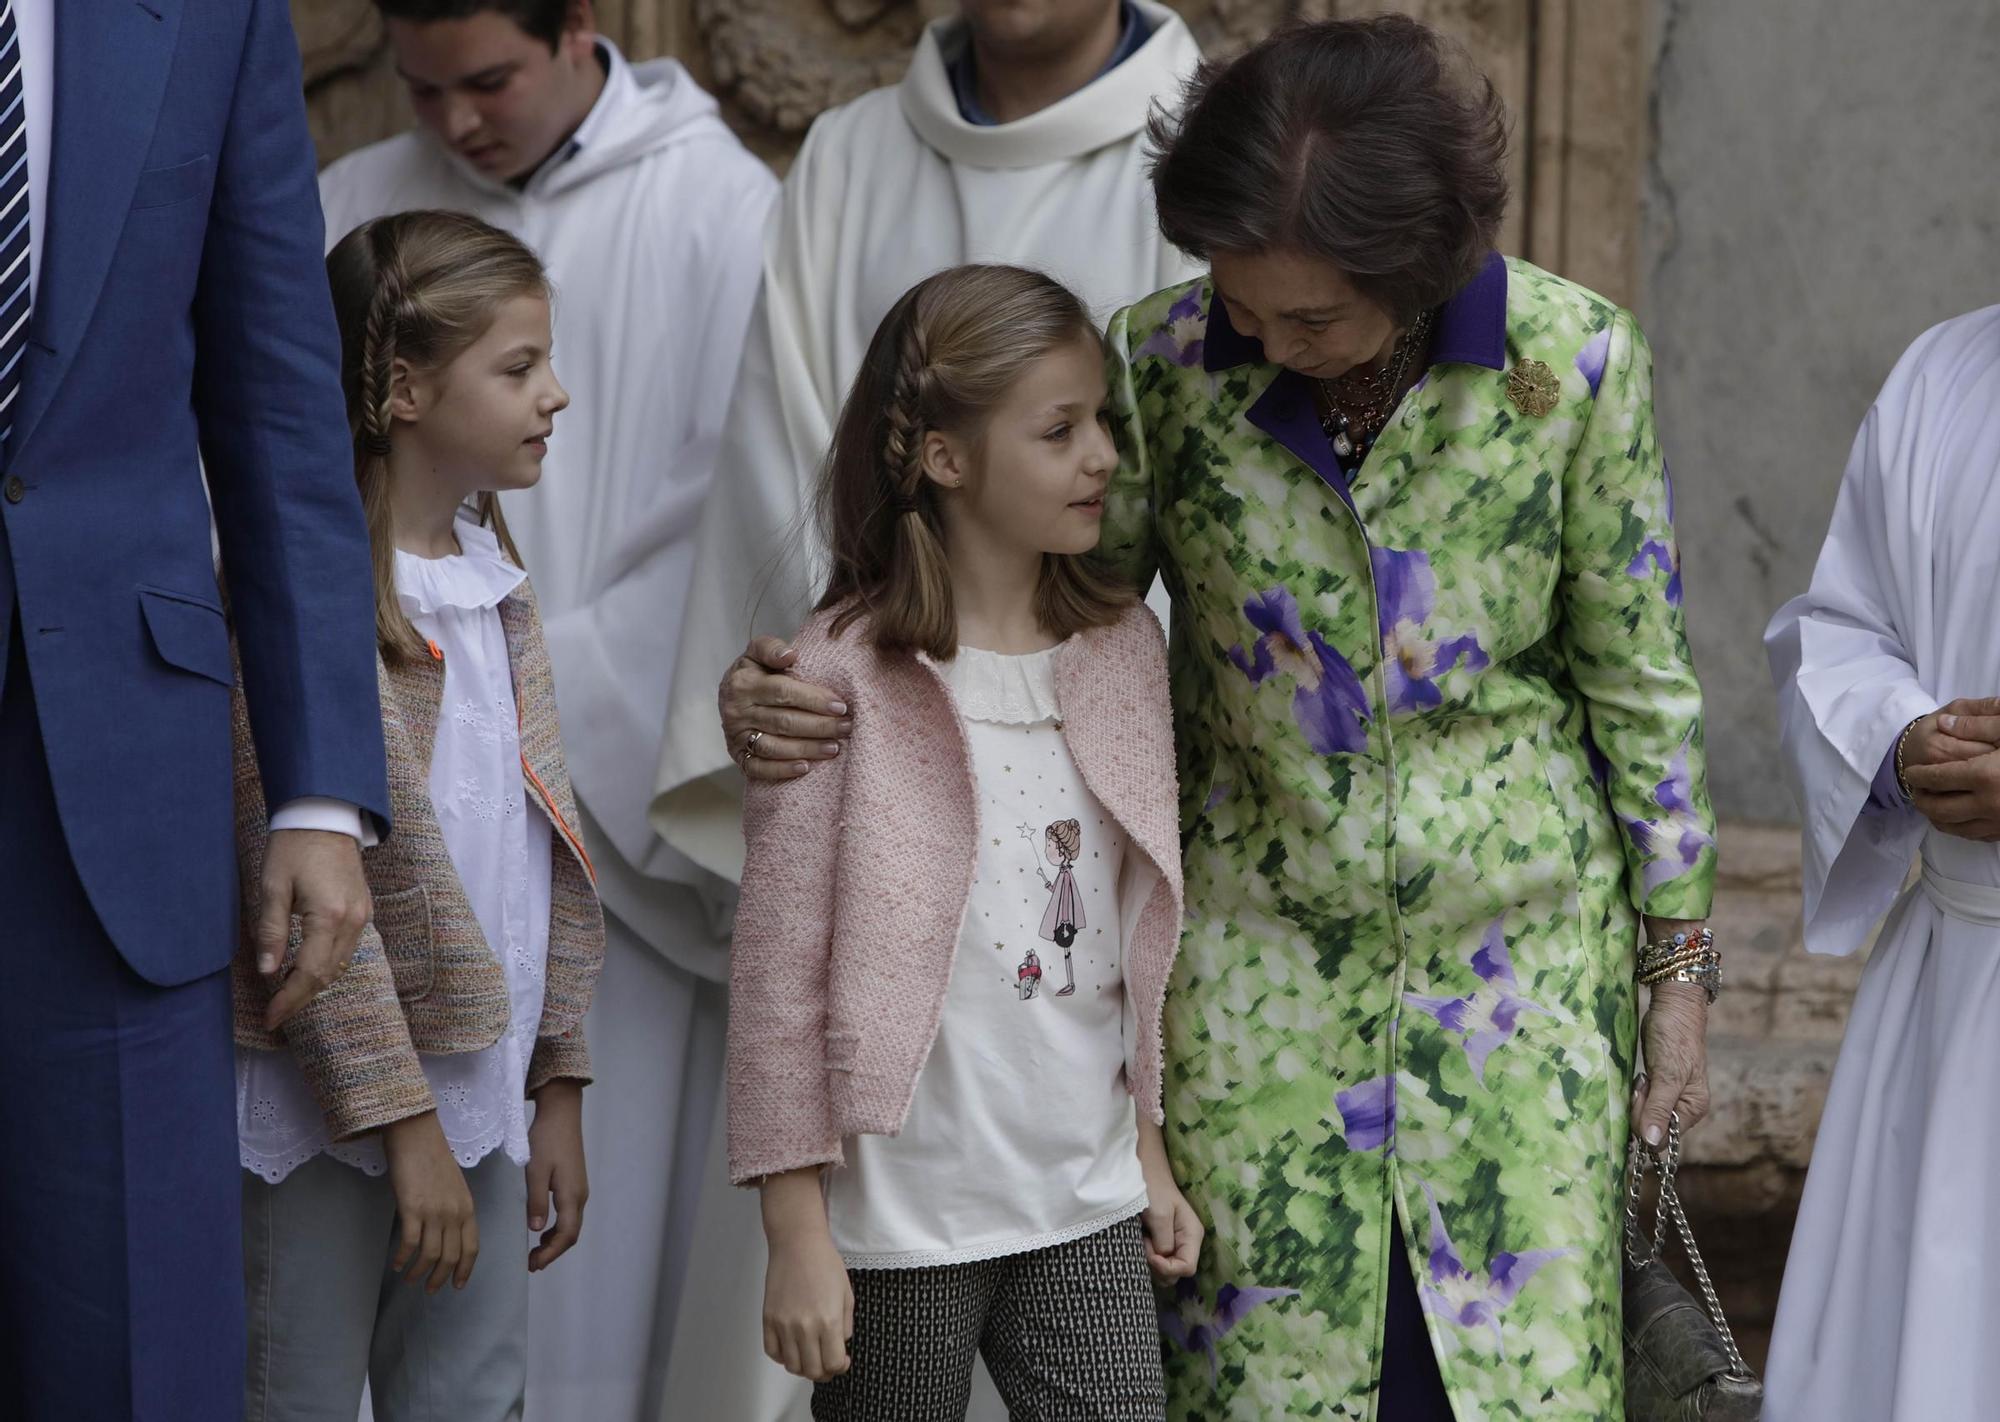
point(1440, 740)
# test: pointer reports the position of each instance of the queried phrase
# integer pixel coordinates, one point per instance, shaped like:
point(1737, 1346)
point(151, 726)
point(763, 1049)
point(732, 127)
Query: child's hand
point(433, 1205)
point(555, 1165)
point(808, 1299)
point(1173, 1230)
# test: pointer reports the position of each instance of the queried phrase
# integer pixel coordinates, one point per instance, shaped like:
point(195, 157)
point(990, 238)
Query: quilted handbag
point(1681, 1361)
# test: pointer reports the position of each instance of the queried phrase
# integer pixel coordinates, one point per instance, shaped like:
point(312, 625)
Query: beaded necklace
point(1355, 407)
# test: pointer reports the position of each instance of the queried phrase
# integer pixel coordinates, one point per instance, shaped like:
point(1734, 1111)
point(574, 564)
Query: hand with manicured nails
point(440, 1231)
point(1675, 1037)
point(555, 1168)
point(800, 722)
point(315, 874)
point(808, 1298)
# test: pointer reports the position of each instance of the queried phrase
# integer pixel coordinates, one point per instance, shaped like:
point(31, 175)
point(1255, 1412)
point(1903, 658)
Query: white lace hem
point(1004, 689)
point(999, 1248)
point(365, 1156)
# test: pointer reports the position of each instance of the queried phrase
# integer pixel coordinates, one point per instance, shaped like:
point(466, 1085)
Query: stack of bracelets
point(1684, 958)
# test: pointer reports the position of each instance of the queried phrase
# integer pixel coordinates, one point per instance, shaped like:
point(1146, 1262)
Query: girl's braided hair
point(414, 289)
point(943, 358)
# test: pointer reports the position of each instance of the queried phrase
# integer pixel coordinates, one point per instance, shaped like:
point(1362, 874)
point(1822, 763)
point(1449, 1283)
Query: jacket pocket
point(188, 633)
point(163, 187)
point(403, 919)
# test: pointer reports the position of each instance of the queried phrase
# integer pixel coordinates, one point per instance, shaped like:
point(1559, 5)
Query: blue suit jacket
point(181, 318)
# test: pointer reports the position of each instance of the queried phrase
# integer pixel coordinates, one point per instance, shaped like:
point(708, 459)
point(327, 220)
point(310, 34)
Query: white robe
point(650, 224)
point(1891, 1300)
point(886, 191)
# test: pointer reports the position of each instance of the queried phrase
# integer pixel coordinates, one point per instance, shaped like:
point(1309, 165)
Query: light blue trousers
point(327, 1315)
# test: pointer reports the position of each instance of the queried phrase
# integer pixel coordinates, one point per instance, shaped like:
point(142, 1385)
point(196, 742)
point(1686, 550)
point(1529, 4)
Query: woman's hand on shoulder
point(808, 1298)
point(1174, 1231)
point(556, 1169)
point(440, 1228)
point(774, 723)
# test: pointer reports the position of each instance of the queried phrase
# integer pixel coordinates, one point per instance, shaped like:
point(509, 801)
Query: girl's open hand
point(808, 1298)
point(440, 1229)
point(1173, 1231)
point(555, 1167)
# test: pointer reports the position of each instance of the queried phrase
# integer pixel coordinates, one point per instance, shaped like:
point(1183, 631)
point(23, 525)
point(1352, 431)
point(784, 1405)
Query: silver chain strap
point(1641, 1251)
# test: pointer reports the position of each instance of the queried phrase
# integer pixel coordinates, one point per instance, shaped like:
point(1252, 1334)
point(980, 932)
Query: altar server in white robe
point(1016, 136)
point(649, 215)
point(1891, 1300)
point(888, 189)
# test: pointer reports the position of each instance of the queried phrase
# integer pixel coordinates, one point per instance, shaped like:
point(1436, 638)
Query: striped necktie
point(16, 279)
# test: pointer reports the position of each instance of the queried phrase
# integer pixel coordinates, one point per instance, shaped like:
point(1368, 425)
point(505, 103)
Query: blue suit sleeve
point(277, 450)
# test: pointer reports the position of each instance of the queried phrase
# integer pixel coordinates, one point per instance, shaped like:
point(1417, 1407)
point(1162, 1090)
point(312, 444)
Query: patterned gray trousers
point(1070, 1334)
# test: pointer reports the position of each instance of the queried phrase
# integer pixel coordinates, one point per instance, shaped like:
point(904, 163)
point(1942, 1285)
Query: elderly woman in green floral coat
point(1440, 751)
point(1440, 747)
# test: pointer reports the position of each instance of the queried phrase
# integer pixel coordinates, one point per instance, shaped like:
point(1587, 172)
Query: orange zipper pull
point(437, 652)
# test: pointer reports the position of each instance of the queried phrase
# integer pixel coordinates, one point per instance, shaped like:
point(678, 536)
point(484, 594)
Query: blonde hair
point(418, 287)
point(945, 355)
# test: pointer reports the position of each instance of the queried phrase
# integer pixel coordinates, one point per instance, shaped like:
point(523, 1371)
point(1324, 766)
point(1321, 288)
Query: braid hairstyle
point(941, 361)
point(378, 341)
point(415, 288)
point(917, 591)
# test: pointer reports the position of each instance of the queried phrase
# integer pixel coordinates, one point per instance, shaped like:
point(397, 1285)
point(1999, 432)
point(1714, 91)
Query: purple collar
point(1471, 327)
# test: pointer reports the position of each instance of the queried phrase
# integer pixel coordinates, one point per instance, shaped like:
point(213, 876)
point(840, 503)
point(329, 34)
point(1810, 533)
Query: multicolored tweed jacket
point(1440, 743)
point(423, 978)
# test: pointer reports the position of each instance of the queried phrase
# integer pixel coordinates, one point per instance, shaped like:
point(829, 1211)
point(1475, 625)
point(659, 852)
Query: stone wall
point(1820, 191)
point(1823, 188)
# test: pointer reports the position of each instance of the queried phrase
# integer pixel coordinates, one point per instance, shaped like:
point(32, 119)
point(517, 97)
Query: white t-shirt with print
point(1022, 1132)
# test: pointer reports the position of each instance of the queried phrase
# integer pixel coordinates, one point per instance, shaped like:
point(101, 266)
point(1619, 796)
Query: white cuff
point(322, 812)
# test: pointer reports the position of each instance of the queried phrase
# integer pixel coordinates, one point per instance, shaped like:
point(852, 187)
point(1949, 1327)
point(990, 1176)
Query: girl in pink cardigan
point(947, 1140)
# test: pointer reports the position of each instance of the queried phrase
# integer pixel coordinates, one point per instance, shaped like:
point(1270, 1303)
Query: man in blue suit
point(162, 305)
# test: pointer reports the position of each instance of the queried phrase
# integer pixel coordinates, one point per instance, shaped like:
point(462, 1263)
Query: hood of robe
point(643, 109)
point(1109, 109)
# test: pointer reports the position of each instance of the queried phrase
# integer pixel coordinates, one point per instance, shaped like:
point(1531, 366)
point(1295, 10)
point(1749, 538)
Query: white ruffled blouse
point(499, 842)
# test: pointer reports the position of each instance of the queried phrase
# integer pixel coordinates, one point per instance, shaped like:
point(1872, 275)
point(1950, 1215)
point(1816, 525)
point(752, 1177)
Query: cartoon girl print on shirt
point(1063, 843)
point(1064, 846)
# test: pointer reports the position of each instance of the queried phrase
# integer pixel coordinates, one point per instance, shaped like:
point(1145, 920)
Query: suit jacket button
point(16, 490)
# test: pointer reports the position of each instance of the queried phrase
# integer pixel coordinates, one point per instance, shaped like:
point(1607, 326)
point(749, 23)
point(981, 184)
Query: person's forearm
point(793, 1204)
point(1660, 929)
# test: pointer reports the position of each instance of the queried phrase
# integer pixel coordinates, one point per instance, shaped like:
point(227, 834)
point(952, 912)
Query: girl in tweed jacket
point(954, 938)
point(387, 1133)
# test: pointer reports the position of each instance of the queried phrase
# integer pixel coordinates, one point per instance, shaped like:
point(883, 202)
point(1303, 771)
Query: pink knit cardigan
point(857, 876)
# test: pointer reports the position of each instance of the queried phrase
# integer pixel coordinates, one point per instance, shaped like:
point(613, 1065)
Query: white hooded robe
point(888, 190)
point(1891, 1299)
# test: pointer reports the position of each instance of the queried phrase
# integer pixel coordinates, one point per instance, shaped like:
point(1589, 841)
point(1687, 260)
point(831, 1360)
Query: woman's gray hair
point(1373, 144)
